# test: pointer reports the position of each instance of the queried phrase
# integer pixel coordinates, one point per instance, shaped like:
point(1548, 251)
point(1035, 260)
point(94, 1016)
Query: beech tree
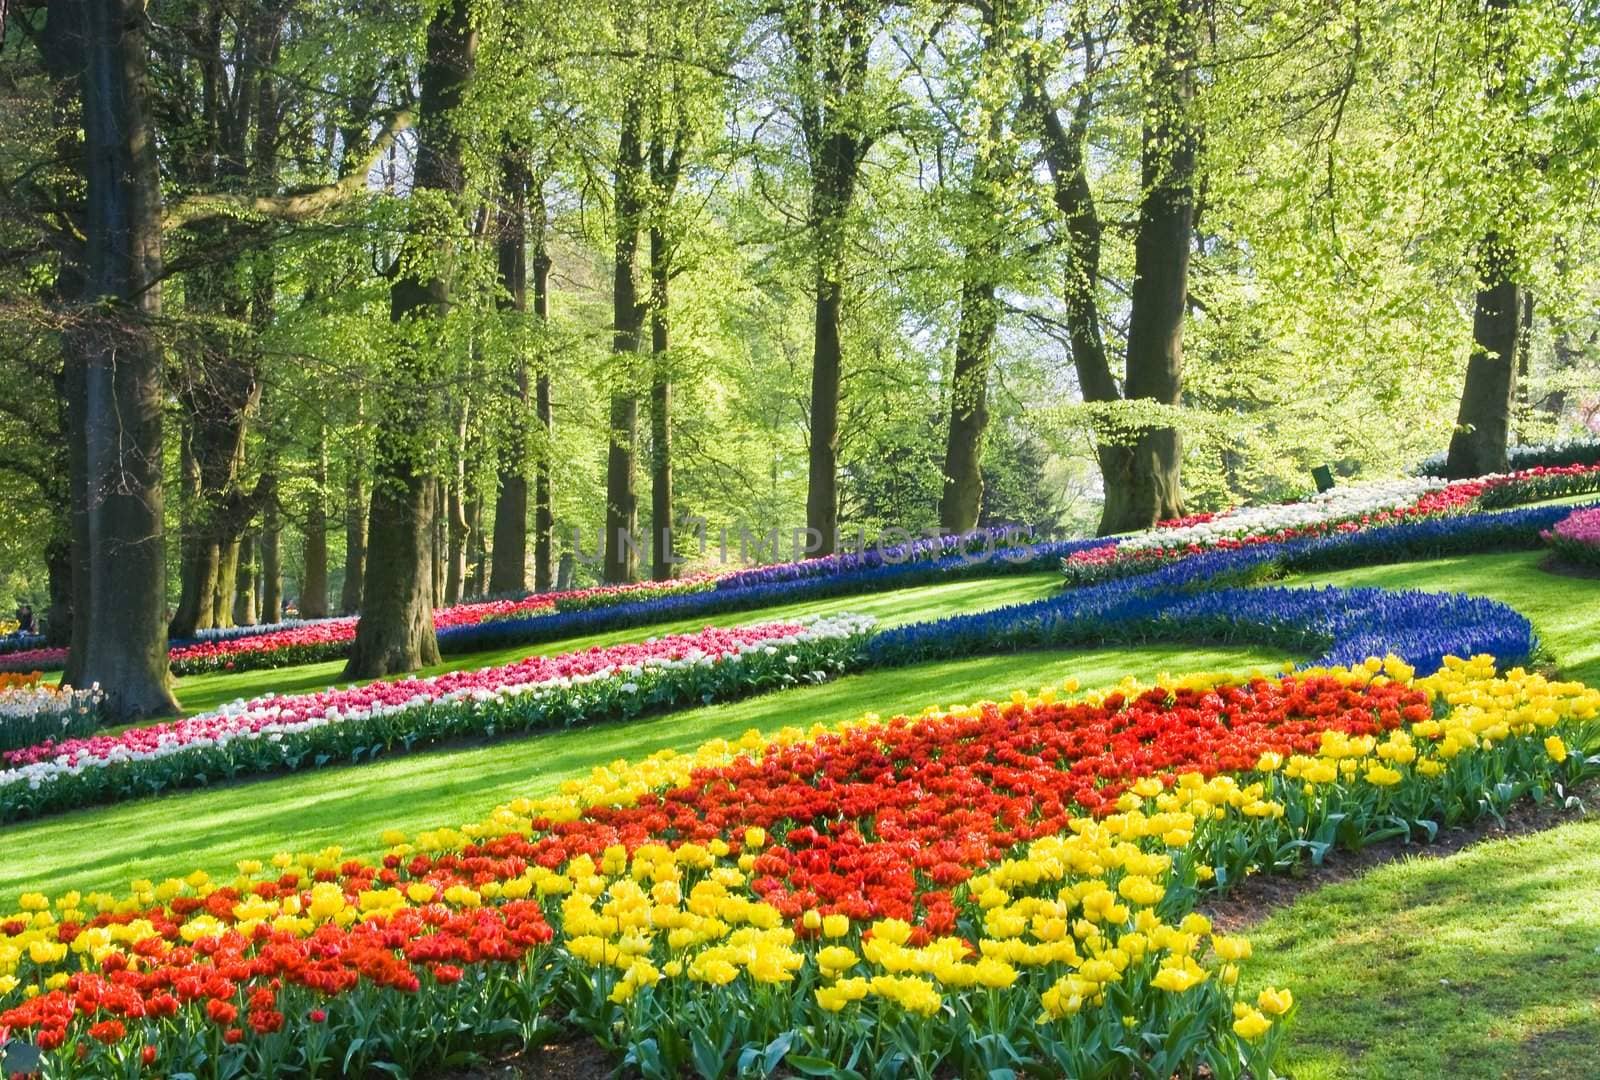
point(395, 632)
point(114, 342)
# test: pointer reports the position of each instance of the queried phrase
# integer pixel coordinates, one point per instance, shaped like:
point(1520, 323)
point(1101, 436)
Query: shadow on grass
point(1482, 964)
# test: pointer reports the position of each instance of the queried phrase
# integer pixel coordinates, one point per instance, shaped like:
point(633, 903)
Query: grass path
point(1485, 964)
point(201, 692)
point(105, 847)
point(1480, 966)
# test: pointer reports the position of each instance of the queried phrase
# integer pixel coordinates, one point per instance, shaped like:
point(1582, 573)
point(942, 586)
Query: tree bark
point(125, 646)
point(543, 513)
point(456, 522)
point(314, 581)
point(662, 567)
point(1161, 258)
point(222, 598)
point(355, 541)
point(197, 559)
point(1488, 399)
point(396, 631)
point(244, 604)
point(509, 572)
point(622, 501)
point(61, 49)
point(477, 574)
point(832, 44)
point(271, 564)
point(1483, 421)
point(969, 409)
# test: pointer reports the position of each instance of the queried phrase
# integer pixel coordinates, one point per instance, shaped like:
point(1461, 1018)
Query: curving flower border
point(277, 733)
point(979, 888)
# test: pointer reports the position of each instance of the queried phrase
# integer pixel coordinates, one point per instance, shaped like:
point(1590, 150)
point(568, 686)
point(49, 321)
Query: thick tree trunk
point(61, 48)
point(1161, 260)
point(969, 408)
point(822, 480)
point(271, 564)
point(314, 581)
point(125, 646)
point(244, 604)
point(1488, 399)
point(355, 542)
point(622, 501)
point(510, 562)
point(833, 43)
point(1483, 422)
point(396, 629)
point(197, 559)
point(222, 598)
point(75, 389)
point(543, 513)
point(661, 565)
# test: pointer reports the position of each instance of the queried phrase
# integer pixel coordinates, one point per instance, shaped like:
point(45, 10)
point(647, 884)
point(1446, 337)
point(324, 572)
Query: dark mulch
point(580, 1058)
point(1555, 564)
point(576, 1058)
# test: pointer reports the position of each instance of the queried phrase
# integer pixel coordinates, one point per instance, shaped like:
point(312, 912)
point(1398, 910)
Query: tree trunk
point(622, 503)
point(510, 563)
point(969, 408)
point(456, 521)
point(125, 646)
point(1161, 260)
point(822, 487)
point(440, 541)
point(476, 576)
point(198, 555)
point(355, 541)
point(271, 564)
point(1488, 399)
point(833, 43)
point(61, 49)
point(244, 604)
point(962, 500)
point(396, 629)
point(661, 564)
point(75, 386)
point(1524, 388)
point(1483, 422)
point(222, 598)
point(543, 514)
point(314, 581)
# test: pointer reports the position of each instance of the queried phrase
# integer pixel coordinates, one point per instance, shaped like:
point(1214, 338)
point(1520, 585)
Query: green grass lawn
point(106, 847)
point(1564, 610)
point(199, 693)
point(1485, 964)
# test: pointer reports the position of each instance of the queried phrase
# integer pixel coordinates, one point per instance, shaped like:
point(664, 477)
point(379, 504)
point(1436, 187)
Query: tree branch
point(293, 205)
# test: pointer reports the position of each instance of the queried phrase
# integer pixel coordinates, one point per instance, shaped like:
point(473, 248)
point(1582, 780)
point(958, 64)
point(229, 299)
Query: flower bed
point(1339, 511)
point(985, 890)
point(1576, 538)
point(15, 641)
point(1181, 601)
point(1570, 452)
point(339, 726)
point(31, 712)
